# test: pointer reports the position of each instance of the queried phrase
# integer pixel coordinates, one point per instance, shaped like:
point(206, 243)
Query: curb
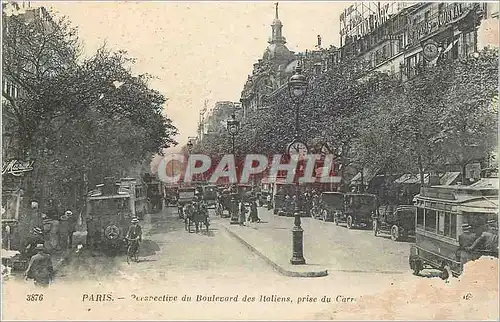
point(273, 264)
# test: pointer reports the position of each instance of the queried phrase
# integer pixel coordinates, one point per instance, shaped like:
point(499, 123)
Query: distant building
point(216, 119)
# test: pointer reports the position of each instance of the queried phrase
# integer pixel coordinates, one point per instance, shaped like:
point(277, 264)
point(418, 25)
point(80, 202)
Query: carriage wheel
point(375, 227)
point(349, 222)
point(394, 233)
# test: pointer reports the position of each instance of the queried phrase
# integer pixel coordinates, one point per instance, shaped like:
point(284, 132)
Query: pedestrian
point(63, 231)
point(40, 267)
point(488, 241)
point(242, 213)
point(268, 200)
point(93, 233)
point(254, 212)
point(72, 223)
point(35, 238)
point(466, 239)
point(54, 234)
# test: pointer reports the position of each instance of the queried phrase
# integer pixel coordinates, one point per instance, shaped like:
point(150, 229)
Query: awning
point(448, 178)
point(411, 179)
point(368, 175)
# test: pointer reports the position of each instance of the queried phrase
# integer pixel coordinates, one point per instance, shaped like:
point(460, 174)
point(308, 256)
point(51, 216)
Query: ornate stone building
point(271, 73)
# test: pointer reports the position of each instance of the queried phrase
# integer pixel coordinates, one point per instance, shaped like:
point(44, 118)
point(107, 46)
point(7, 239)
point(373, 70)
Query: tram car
point(442, 212)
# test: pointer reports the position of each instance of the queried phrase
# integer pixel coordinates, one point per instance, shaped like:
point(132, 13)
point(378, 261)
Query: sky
point(198, 50)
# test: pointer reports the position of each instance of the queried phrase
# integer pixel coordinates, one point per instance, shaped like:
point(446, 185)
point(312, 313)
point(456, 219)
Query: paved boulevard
point(174, 262)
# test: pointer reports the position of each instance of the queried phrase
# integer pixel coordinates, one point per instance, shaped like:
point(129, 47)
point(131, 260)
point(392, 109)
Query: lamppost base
point(297, 261)
point(298, 246)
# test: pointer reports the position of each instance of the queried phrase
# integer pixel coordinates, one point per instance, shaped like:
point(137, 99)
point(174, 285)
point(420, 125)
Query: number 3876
point(34, 297)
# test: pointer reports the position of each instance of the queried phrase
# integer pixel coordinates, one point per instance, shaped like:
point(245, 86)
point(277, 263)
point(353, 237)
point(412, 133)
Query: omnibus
point(109, 209)
point(139, 204)
point(440, 213)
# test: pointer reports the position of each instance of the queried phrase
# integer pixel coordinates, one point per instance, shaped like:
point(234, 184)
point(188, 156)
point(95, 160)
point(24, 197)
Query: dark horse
point(200, 216)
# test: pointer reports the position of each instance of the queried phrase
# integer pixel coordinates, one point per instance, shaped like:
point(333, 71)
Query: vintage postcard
point(258, 160)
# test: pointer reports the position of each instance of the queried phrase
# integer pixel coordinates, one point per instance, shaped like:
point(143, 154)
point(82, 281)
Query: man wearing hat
point(465, 239)
point(134, 234)
point(72, 222)
point(40, 267)
point(63, 231)
point(34, 239)
point(488, 240)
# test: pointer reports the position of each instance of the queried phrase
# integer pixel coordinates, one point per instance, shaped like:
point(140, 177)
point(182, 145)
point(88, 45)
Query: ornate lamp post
point(233, 127)
point(297, 89)
point(189, 146)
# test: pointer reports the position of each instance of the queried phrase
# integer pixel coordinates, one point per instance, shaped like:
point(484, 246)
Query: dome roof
point(278, 52)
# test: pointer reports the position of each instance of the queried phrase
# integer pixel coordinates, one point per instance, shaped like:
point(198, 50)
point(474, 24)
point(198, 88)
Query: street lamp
point(297, 89)
point(233, 127)
point(189, 146)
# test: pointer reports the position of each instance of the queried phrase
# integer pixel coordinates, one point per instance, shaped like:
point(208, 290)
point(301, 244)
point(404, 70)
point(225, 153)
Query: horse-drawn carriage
point(223, 206)
point(185, 196)
point(196, 213)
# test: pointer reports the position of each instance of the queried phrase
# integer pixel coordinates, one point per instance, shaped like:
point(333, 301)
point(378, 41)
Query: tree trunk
point(462, 167)
point(421, 171)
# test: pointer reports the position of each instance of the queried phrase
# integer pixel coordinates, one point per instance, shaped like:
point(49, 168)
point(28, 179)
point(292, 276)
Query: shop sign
point(449, 14)
point(17, 167)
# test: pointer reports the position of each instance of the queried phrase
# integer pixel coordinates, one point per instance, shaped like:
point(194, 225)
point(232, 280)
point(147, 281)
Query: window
point(441, 221)
point(453, 225)
point(430, 220)
point(468, 43)
point(447, 224)
point(420, 217)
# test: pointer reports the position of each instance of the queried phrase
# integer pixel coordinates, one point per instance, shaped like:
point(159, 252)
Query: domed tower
point(277, 50)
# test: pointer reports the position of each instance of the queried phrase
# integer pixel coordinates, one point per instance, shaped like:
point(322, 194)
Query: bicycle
point(133, 250)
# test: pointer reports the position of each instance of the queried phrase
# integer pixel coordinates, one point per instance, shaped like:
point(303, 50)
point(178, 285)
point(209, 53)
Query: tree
point(77, 117)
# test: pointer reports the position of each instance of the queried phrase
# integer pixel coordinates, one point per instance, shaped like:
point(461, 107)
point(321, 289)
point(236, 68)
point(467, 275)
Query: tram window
point(453, 225)
point(441, 223)
point(447, 218)
point(420, 217)
point(430, 220)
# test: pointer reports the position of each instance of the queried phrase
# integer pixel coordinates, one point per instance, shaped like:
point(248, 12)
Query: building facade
point(270, 74)
point(392, 39)
point(216, 119)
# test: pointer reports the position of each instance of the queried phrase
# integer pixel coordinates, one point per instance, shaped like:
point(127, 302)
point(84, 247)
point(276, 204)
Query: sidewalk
point(261, 238)
point(327, 247)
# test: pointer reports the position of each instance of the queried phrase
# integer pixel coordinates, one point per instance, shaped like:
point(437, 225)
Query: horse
point(201, 217)
point(188, 216)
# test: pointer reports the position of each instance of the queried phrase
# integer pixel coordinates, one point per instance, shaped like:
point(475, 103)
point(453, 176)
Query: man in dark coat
point(465, 239)
point(488, 241)
point(40, 267)
point(32, 241)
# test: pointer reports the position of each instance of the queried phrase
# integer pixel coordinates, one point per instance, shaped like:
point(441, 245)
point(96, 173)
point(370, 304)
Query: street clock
point(430, 50)
point(297, 148)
